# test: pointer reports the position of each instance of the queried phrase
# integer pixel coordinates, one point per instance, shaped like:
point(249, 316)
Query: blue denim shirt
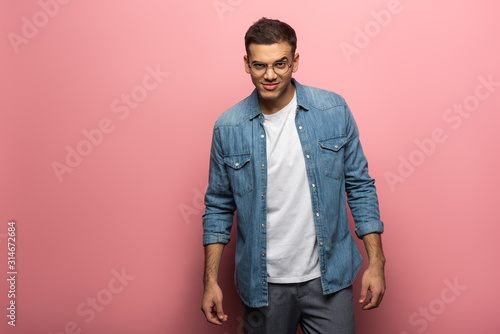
point(335, 165)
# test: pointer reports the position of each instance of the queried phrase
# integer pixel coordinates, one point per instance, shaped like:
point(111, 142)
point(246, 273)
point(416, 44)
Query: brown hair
point(267, 31)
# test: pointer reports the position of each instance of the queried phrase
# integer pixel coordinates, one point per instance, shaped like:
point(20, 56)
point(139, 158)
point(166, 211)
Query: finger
point(210, 315)
point(377, 297)
point(368, 305)
point(374, 301)
point(364, 292)
point(220, 312)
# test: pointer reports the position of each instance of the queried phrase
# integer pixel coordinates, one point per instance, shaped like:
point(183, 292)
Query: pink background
point(133, 204)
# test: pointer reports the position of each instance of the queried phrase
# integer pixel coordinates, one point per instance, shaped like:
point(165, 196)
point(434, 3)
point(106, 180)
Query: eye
point(258, 66)
point(280, 65)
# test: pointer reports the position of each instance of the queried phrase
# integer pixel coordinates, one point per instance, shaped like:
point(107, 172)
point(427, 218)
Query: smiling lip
point(270, 86)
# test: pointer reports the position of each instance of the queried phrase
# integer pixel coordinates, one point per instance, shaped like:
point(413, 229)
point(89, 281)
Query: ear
point(245, 61)
point(295, 63)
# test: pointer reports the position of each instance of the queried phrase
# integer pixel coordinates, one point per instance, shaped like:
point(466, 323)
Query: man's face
point(272, 87)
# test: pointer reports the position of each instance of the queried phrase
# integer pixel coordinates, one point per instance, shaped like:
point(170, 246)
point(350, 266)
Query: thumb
point(219, 310)
point(364, 292)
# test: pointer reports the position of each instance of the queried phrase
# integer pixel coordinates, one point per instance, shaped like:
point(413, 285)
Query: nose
point(270, 74)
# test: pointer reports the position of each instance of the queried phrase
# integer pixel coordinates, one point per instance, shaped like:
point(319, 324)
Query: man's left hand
point(374, 281)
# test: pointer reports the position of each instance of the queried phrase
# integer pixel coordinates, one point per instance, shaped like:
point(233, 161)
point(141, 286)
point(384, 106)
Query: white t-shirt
point(292, 250)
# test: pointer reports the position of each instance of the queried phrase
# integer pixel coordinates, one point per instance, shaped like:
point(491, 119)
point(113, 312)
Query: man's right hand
point(211, 305)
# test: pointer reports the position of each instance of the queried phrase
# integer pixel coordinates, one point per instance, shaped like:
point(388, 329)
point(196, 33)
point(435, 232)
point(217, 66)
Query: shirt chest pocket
point(239, 169)
point(332, 156)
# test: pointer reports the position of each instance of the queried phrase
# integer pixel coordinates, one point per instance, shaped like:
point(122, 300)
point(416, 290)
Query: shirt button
point(236, 164)
point(263, 225)
point(261, 136)
point(321, 244)
point(317, 214)
point(307, 156)
point(300, 127)
point(313, 185)
point(263, 254)
point(336, 146)
point(263, 283)
point(262, 166)
point(263, 195)
point(322, 271)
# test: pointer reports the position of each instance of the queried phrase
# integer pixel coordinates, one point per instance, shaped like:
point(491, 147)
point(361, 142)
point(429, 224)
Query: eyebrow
point(276, 61)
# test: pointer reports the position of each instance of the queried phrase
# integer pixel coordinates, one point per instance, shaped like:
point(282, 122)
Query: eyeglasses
point(279, 67)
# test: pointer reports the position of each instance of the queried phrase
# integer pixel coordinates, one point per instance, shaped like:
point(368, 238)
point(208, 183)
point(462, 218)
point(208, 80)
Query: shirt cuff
point(214, 238)
point(363, 229)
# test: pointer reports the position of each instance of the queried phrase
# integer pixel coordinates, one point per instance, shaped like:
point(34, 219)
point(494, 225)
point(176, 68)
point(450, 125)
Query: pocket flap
point(333, 144)
point(237, 161)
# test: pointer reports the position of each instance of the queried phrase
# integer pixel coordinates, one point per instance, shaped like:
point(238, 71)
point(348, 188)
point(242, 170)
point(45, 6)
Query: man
point(284, 158)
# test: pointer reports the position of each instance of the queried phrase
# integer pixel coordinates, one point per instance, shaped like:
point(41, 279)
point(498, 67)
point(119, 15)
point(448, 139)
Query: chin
point(271, 95)
point(267, 96)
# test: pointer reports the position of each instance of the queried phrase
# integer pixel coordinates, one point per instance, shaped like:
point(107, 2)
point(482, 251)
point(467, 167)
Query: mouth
point(270, 86)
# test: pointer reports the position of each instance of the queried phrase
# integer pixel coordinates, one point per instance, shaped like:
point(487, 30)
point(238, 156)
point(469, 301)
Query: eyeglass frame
point(274, 70)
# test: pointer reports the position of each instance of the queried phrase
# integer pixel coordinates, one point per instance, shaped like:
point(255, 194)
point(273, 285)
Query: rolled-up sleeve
point(360, 187)
point(219, 201)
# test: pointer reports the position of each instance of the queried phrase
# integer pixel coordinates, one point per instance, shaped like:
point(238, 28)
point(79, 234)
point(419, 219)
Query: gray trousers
point(304, 304)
